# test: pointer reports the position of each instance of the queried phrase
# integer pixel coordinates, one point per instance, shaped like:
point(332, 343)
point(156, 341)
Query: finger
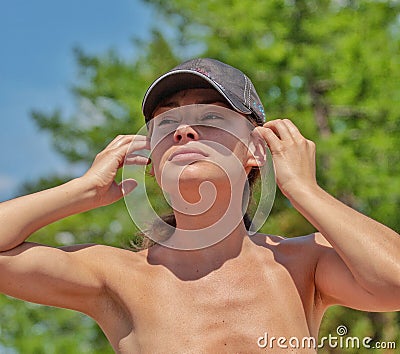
point(268, 135)
point(115, 141)
point(123, 153)
point(124, 146)
point(121, 140)
point(294, 131)
point(127, 186)
point(113, 156)
point(133, 159)
point(129, 157)
point(142, 143)
point(279, 127)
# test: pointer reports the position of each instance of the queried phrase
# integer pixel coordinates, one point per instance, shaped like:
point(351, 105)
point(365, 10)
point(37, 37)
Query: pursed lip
point(187, 151)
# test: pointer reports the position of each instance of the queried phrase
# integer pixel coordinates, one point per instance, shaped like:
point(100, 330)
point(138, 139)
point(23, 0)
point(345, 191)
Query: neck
point(197, 263)
point(204, 221)
point(209, 231)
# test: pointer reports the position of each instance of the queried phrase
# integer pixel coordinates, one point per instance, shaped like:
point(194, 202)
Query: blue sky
point(37, 68)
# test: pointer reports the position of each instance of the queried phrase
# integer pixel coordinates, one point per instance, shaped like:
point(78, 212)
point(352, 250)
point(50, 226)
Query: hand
point(101, 174)
point(292, 154)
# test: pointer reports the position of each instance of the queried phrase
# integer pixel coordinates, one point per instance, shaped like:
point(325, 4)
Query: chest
point(238, 306)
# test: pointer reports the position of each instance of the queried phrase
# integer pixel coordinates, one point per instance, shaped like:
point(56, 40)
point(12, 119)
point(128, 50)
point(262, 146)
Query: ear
point(256, 151)
point(149, 126)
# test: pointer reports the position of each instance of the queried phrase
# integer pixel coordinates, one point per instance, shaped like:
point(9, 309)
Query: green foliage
point(380, 327)
point(331, 66)
point(31, 328)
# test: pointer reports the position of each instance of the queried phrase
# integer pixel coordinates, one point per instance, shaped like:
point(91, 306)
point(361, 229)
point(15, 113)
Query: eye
point(212, 116)
point(166, 121)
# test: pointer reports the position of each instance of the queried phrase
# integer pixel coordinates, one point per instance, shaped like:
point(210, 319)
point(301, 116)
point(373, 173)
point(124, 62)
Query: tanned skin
point(218, 299)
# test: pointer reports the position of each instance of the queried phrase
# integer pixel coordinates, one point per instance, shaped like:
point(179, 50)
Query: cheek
point(235, 143)
point(241, 152)
point(159, 146)
point(159, 155)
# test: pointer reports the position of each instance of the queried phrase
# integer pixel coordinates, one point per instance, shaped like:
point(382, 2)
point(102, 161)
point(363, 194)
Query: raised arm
point(62, 277)
point(359, 262)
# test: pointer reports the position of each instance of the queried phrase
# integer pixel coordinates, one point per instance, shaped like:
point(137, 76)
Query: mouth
point(187, 154)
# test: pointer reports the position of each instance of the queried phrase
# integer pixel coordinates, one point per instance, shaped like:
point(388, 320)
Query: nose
point(185, 133)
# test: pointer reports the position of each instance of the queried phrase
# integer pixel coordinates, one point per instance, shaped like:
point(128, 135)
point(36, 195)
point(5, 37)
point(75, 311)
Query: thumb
point(127, 186)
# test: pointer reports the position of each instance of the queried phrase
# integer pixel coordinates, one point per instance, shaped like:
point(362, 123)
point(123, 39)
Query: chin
point(191, 175)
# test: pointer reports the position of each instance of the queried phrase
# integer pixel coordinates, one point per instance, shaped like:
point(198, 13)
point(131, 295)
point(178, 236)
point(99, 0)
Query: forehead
point(191, 96)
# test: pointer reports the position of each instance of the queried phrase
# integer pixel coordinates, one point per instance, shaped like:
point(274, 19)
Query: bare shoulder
point(312, 239)
point(108, 260)
point(312, 245)
point(102, 254)
point(293, 262)
point(97, 250)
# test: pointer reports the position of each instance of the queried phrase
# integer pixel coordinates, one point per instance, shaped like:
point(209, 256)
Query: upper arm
point(69, 278)
point(337, 285)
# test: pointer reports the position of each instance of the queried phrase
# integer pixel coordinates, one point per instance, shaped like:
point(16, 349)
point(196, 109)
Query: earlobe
point(257, 154)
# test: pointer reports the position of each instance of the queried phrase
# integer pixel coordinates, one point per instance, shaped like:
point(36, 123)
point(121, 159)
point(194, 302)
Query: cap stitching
point(244, 91)
point(249, 92)
point(208, 74)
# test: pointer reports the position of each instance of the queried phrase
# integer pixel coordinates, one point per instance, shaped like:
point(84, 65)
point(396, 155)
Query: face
point(196, 137)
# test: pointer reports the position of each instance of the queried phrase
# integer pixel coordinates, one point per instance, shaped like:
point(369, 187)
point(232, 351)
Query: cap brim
point(179, 80)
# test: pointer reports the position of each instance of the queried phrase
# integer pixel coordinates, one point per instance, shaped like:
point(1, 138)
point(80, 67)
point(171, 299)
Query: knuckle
point(302, 141)
point(123, 139)
point(118, 137)
point(280, 149)
point(311, 143)
point(291, 145)
point(100, 154)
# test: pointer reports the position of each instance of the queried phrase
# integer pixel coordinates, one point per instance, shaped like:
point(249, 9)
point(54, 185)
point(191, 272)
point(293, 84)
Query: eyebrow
point(175, 104)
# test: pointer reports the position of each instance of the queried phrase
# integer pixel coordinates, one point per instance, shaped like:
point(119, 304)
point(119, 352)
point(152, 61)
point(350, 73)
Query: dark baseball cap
point(230, 82)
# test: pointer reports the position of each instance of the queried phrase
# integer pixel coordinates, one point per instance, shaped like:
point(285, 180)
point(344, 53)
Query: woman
point(209, 287)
